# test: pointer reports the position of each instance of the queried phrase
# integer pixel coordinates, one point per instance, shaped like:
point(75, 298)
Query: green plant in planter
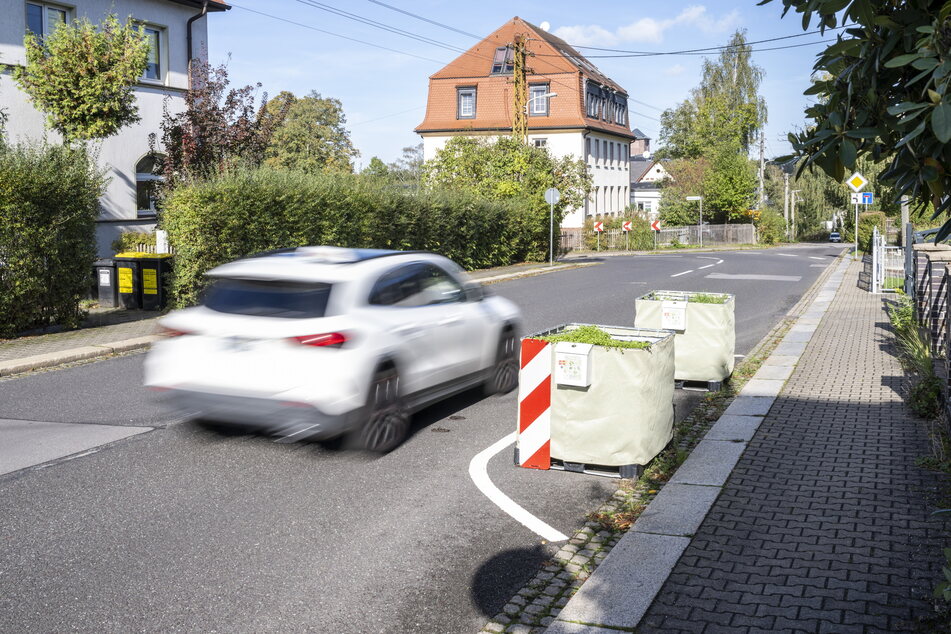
point(594, 336)
point(707, 298)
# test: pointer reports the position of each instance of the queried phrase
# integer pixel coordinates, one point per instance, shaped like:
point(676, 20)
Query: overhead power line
point(379, 25)
point(419, 17)
point(752, 50)
point(351, 39)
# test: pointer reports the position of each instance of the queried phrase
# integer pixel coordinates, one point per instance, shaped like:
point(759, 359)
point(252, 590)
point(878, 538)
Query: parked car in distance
point(320, 342)
point(835, 237)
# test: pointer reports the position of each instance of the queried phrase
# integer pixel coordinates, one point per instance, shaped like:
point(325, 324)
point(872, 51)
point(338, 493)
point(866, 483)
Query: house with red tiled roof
point(573, 109)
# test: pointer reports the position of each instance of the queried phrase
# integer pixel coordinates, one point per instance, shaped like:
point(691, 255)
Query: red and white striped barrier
point(534, 405)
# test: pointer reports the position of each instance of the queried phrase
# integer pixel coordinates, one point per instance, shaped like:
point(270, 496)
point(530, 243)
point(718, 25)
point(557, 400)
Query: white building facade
point(174, 27)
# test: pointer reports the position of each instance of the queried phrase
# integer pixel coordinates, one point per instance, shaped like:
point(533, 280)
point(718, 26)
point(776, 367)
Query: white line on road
point(750, 276)
point(707, 257)
point(813, 257)
point(788, 255)
point(682, 273)
point(818, 266)
point(478, 471)
point(705, 267)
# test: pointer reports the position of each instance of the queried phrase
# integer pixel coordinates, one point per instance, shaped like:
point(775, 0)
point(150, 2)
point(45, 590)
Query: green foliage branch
point(83, 77)
point(883, 92)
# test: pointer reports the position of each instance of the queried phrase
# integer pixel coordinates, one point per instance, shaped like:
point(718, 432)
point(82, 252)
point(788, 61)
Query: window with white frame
point(466, 103)
point(153, 66)
point(538, 100)
point(587, 151)
point(503, 62)
point(42, 18)
point(147, 178)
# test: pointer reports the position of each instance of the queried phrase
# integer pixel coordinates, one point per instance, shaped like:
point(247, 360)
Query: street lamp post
point(700, 198)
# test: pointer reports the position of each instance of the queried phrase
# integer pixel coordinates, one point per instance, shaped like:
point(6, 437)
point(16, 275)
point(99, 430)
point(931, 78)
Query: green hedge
point(245, 212)
point(49, 201)
point(640, 237)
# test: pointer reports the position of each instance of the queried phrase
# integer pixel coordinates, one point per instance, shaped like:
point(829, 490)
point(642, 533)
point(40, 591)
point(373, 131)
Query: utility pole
point(762, 171)
point(792, 213)
point(520, 96)
point(786, 200)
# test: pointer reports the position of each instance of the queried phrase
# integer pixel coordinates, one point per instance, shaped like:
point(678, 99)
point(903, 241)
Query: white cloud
point(674, 70)
point(649, 30)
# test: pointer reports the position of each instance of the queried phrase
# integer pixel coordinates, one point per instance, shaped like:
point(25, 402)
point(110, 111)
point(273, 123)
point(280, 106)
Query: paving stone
point(826, 507)
point(710, 463)
point(734, 428)
point(749, 406)
point(677, 510)
point(774, 372)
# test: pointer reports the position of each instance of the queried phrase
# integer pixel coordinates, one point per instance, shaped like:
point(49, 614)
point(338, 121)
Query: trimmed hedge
point(640, 238)
point(49, 201)
point(245, 212)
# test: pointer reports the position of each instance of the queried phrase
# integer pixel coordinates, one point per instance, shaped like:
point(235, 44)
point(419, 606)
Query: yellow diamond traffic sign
point(856, 182)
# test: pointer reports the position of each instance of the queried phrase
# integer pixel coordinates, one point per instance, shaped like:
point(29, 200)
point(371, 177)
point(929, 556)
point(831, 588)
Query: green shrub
point(925, 397)
point(770, 227)
point(249, 211)
point(640, 238)
point(867, 223)
point(130, 241)
point(49, 201)
point(595, 336)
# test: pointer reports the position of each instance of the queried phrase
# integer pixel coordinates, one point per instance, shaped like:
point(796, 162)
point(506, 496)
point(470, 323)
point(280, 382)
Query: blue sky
point(384, 91)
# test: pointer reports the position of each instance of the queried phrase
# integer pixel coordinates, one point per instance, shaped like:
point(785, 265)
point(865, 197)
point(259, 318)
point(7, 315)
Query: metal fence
point(617, 240)
point(888, 266)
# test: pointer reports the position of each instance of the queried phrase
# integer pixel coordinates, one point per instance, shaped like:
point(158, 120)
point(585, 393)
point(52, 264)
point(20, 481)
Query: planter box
point(625, 415)
point(705, 340)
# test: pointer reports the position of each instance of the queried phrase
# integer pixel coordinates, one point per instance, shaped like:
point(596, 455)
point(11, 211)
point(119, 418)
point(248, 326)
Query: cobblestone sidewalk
point(824, 525)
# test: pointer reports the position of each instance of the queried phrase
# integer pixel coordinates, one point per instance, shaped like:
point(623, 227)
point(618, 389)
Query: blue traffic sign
point(867, 198)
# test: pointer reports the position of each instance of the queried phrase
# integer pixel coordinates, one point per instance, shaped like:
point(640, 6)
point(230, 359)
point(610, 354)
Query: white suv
point(317, 342)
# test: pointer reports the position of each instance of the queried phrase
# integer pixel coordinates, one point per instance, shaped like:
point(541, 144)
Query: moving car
point(835, 237)
point(319, 342)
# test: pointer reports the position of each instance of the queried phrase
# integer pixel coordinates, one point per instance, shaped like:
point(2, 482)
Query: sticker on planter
point(673, 315)
point(573, 364)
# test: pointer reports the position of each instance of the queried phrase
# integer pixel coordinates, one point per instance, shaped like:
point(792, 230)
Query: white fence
point(617, 240)
point(888, 265)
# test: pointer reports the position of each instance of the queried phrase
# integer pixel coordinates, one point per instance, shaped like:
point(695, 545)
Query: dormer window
point(502, 63)
point(466, 103)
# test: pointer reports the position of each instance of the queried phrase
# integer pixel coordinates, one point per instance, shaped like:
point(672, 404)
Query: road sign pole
point(855, 230)
point(551, 235)
point(701, 222)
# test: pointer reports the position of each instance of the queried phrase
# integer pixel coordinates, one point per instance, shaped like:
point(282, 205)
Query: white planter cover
point(626, 415)
point(703, 350)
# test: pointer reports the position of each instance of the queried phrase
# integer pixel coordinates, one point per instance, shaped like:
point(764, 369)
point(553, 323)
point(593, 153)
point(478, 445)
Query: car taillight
point(325, 340)
point(165, 331)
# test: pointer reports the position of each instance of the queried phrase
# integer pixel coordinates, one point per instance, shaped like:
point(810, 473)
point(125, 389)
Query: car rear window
point(268, 298)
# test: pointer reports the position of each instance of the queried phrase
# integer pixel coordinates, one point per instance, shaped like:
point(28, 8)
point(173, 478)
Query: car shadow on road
point(504, 574)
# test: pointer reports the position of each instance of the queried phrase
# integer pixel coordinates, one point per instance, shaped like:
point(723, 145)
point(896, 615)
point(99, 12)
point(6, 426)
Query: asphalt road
point(185, 528)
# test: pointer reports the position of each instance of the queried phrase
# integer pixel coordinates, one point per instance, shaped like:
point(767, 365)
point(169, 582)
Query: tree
point(218, 128)
point(728, 186)
point(686, 178)
point(83, 78)
point(724, 109)
point(376, 169)
point(409, 167)
point(507, 168)
point(312, 136)
point(883, 92)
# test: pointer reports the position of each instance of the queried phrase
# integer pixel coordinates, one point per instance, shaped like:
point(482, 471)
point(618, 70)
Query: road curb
point(82, 353)
point(698, 482)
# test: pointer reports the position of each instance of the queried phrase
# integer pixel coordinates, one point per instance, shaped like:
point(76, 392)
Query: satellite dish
point(545, 25)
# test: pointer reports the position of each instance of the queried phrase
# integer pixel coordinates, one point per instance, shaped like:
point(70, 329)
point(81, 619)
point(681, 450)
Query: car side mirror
point(474, 292)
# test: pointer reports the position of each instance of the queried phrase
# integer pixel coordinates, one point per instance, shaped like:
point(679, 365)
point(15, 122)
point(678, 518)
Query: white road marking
point(478, 471)
point(739, 356)
point(750, 276)
point(813, 257)
point(707, 257)
point(788, 255)
point(705, 267)
point(818, 266)
point(682, 273)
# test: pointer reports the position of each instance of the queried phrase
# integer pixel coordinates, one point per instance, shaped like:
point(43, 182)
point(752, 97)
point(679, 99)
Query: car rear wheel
point(388, 422)
point(504, 377)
